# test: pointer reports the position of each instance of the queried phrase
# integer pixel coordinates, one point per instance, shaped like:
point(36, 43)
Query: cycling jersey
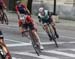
point(21, 8)
point(46, 17)
point(27, 20)
point(29, 23)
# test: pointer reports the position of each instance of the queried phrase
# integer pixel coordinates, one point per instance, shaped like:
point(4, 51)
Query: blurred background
point(64, 8)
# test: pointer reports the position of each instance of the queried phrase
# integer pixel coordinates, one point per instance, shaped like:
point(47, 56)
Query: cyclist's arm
point(25, 8)
point(18, 13)
point(3, 4)
point(50, 15)
point(39, 19)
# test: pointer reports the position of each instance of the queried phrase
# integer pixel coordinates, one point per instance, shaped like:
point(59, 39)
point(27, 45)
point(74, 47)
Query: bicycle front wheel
point(34, 43)
point(5, 18)
point(52, 33)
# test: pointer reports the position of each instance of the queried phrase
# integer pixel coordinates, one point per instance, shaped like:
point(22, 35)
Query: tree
point(29, 5)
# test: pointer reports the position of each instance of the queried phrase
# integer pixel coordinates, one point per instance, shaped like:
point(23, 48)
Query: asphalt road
point(21, 48)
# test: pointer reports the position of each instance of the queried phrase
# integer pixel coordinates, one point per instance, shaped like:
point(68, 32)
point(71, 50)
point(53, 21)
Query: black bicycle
point(35, 45)
point(3, 17)
point(52, 34)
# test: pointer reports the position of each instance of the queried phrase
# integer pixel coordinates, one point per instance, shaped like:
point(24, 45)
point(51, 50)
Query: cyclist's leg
point(45, 27)
point(54, 27)
point(52, 22)
point(4, 47)
point(38, 39)
point(1, 16)
point(2, 13)
point(31, 26)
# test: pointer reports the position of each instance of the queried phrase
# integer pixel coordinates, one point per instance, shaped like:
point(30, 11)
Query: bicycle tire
point(52, 33)
point(36, 49)
point(1, 20)
point(5, 19)
point(55, 42)
point(35, 46)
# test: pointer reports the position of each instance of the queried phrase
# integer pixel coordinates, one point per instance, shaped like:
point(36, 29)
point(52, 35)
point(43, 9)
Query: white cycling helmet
point(41, 9)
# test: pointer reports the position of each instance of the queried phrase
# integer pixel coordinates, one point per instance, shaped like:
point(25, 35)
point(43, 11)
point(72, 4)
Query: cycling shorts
point(1, 35)
point(49, 20)
point(29, 26)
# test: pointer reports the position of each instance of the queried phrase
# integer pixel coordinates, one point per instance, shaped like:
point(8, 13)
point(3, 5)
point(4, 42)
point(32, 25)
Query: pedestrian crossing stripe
point(33, 55)
point(43, 43)
point(61, 53)
point(45, 56)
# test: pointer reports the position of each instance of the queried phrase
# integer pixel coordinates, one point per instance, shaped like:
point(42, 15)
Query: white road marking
point(28, 44)
point(61, 53)
point(61, 36)
point(10, 26)
point(33, 55)
point(72, 49)
point(67, 37)
point(14, 41)
point(62, 49)
point(14, 58)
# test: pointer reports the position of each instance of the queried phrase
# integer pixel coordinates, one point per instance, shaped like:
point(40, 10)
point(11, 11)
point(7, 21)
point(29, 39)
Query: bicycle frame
point(36, 45)
point(50, 31)
point(3, 17)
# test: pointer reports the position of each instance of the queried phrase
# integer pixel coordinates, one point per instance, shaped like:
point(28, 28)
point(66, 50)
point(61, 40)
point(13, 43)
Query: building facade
point(64, 8)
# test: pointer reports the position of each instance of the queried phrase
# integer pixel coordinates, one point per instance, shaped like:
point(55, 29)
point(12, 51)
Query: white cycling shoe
point(41, 47)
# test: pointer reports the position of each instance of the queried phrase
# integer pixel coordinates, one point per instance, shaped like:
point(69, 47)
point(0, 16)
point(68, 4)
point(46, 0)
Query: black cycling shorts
point(1, 7)
point(49, 21)
point(30, 26)
point(1, 35)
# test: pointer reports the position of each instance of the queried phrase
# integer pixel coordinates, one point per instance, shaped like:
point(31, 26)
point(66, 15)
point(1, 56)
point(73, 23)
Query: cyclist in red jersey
point(31, 25)
point(21, 9)
point(2, 4)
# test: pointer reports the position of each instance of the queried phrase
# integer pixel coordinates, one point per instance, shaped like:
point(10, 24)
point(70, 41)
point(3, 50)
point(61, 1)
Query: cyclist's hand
point(8, 56)
point(5, 7)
